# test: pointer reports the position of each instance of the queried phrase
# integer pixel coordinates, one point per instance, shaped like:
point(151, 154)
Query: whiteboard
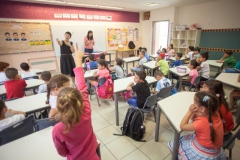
point(78, 34)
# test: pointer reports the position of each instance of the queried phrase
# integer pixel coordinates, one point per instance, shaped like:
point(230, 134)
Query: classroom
point(119, 79)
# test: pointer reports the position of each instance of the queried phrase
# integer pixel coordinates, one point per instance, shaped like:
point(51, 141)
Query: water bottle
point(88, 66)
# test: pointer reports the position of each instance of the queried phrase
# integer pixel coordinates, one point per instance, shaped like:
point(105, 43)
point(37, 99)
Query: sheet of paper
point(74, 15)
point(102, 17)
point(118, 36)
point(109, 18)
point(123, 38)
point(123, 33)
point(89, 17)
point(66, 15)
point(96, 17)
point(82, 16)
point(57, 15)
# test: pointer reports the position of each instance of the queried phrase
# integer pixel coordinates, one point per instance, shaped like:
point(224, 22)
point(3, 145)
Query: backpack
point(105, 88)
point(131, 45)
point(133, 124)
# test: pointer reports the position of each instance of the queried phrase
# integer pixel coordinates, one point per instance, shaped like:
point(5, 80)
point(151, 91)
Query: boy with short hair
point(93, 64)
point(15, 85)
point(45, 76)
point(146, 54)
point(162, 81)
point(196, 54)
point(190, 52)
point(141, 88)
point(140, 63)
point(177, 62)
point(27, 72)
point(228, 59)
point(6, 122)
point(162, 63)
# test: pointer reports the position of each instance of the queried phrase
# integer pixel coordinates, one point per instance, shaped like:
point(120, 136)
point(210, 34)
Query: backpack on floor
point(105, 88)
point(131, 45)
point(133, 124)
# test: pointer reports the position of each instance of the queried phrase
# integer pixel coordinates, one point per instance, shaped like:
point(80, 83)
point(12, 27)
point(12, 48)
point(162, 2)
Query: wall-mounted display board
point(117, 36)
point(23, 37)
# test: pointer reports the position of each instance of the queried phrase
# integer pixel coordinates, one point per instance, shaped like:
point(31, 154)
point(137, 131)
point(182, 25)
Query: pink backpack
point(105, 91)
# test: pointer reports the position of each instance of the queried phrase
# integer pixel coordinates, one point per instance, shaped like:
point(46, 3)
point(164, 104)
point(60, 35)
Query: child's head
point(24, 66)
point(178, 56)
point(192, 64)
point(164, 50)
point(162, 55)
point(207, 104)
point(204, 56)
point(56, 84)
point(15, 35)
point(139, 77)
point(158, 74)
point(23, 35)
point(141, 54)
point(196, 50)
point(118, 61)
point(91, 57)
point(227, 53)
point(102, 56)
point(11, 73)
point(190, 48)
point(70, 106)
point(144, 49)
point(216, 87)
point(7, 34)
point(68, 35)
point(170, 46)
point(46, 76)
point(102, 64)
point(3, 66)
point(3, 108)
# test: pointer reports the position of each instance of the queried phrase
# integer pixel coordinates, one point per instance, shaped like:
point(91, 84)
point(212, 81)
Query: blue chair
point(18, 130)
point(45, 123)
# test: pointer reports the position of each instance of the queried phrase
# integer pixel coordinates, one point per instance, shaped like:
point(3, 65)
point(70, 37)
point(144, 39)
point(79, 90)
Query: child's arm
point(221, 60)
point(185, 126)
point(59, 145)
point(16, 112)
point(52, 112)
point(129, 87)
point(59, 42)
point(95, 74)
point(111, 69)
point(188, 80)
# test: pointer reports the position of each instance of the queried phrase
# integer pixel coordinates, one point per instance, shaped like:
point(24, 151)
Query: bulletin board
point(23, 37)
point(117, 36)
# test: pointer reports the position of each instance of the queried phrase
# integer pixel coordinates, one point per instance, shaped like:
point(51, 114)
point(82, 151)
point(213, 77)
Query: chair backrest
point(33, 77)
point(237, 120)
point(165, 92)
point(45, 123)
point(197, 80)
point(236, 135)
point(16, 131)
point(150, 101)
point(101, 81)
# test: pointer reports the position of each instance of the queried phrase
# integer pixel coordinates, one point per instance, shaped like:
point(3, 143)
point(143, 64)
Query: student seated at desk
point(54, 86)
point(146, 54)
point(162, 81)
point(228, 59)
point(90, 59)
point(177, 62)
point(196, 54)
point(27, 72)
point(204, 66)
point(140, 63)
point(190, 52)
point(162, 63)
point(45, 76)
point(233, 94)
point(15, 85)
point(73, 136)
point(15, 116)
point(141, 88)
point(207, 139)
point(170, 51)
point(3, 67)
point(118, 68)
point(236, 69)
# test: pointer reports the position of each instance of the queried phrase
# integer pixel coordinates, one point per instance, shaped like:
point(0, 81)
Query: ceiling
point(128, 5)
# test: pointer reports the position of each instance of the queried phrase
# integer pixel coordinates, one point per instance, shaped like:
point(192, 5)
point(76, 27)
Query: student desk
point(154, 56)
point(125, 50)
point(174, 59)
point(230, 79)
point(174, 108)
point(215, 64)
point(120, 86)
point(180, 75)
point(31, 84)
point(37, 71)
point(89, 74)
point(29, 104)
point(150, 65)
point(130, 59)
point(37, 146)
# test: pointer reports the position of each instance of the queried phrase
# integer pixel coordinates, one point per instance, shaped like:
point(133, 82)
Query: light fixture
point(151, 4)
point(81, 4)
point(51, 1)
point(112, 7)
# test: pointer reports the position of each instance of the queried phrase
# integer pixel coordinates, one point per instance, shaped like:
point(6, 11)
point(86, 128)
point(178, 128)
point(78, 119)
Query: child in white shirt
point(204, 66)
point(3, 67)
point(190, 52)
point(45, 76)
point(27, 72)
point(140, 63)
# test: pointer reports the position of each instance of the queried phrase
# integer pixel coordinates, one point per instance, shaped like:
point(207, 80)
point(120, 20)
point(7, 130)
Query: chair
point(197, 86)
point(165, 92)
point(44, 123)
point(33, 77)
point(16, 131)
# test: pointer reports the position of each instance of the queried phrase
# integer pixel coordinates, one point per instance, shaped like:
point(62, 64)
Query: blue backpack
point(174, 90)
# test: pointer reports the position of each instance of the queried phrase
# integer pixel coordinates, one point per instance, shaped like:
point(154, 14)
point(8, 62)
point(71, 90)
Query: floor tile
point(169, 157)
point(95, 114)
point(106, 134)
point(99, 123)
point(123, 110)
point(137, 154)
point(111, 117)
point(106, 154)
point(104, 110)
point(165, 137)
point(146, 137)
point(150, 128)
point(164, 122)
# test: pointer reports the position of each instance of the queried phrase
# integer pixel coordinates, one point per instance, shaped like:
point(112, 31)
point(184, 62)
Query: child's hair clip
point(218, 95)
point(205, 98)
point(211, 124)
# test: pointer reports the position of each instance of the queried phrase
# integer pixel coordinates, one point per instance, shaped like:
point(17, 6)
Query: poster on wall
point(117, 36)
point(23, 37)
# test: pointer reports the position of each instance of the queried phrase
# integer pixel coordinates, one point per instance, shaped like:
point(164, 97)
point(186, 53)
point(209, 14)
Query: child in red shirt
point(15, 85)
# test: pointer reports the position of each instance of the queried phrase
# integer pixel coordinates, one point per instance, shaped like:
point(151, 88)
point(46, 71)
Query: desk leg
point(127, 67)
point(151, 72)
point(116, 108)
point(110, 59)
point(175, 145)
point(157, 123)
point(180, 83)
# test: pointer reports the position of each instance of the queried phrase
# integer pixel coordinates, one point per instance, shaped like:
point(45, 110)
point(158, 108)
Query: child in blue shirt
point(146, 54)
point(93, 64)
point(177, 62)
point(162, 81)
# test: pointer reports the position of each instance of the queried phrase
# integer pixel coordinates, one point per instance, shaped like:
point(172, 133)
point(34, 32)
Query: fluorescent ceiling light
point(151, 4)
point(80, 4)
point(52, 1)
point(110, 7)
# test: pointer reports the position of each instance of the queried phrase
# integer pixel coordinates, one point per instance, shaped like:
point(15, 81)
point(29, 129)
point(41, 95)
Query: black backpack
point(133, 125)
point(131, 45)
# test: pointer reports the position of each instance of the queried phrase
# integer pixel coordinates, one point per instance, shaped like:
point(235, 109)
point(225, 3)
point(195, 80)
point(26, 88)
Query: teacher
point(89, 42)
point(67, 63)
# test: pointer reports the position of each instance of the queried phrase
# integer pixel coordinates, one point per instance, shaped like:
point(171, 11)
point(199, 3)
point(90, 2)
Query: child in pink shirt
point(170, 51)
point(73, 137)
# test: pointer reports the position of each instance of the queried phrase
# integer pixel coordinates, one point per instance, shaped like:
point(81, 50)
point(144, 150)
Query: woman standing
point(89, 42)
point(67, 63)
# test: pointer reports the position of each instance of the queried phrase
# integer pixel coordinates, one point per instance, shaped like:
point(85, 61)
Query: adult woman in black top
point(66, 60)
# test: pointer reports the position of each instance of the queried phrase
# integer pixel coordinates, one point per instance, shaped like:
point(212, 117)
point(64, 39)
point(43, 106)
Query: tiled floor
point(121, 147)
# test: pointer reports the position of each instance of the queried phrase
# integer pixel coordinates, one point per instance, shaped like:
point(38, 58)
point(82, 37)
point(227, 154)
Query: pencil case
point(181, 70)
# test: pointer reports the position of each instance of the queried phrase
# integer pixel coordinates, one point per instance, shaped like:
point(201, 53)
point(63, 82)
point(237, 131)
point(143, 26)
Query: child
point(207, 139)
point(45, 76)
point(15, 85)
point(216, 87)
point(102, 56)
point(204, 66)
point(177, 62)
point(6, 122)
point(141, 88)
point(162, 63)
point(236, 69)
point(3, 67)
point(140, 63)
point(73, 137)
point(196, 54)
point(192, 75)
point(146, 54)
point(162, 81)
point(118, 68)
point(27, 72)
point(93, 64)
point(170, 51)
point(228, 59)
point(54, 86)
point(102, 72)
point(190, 52)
